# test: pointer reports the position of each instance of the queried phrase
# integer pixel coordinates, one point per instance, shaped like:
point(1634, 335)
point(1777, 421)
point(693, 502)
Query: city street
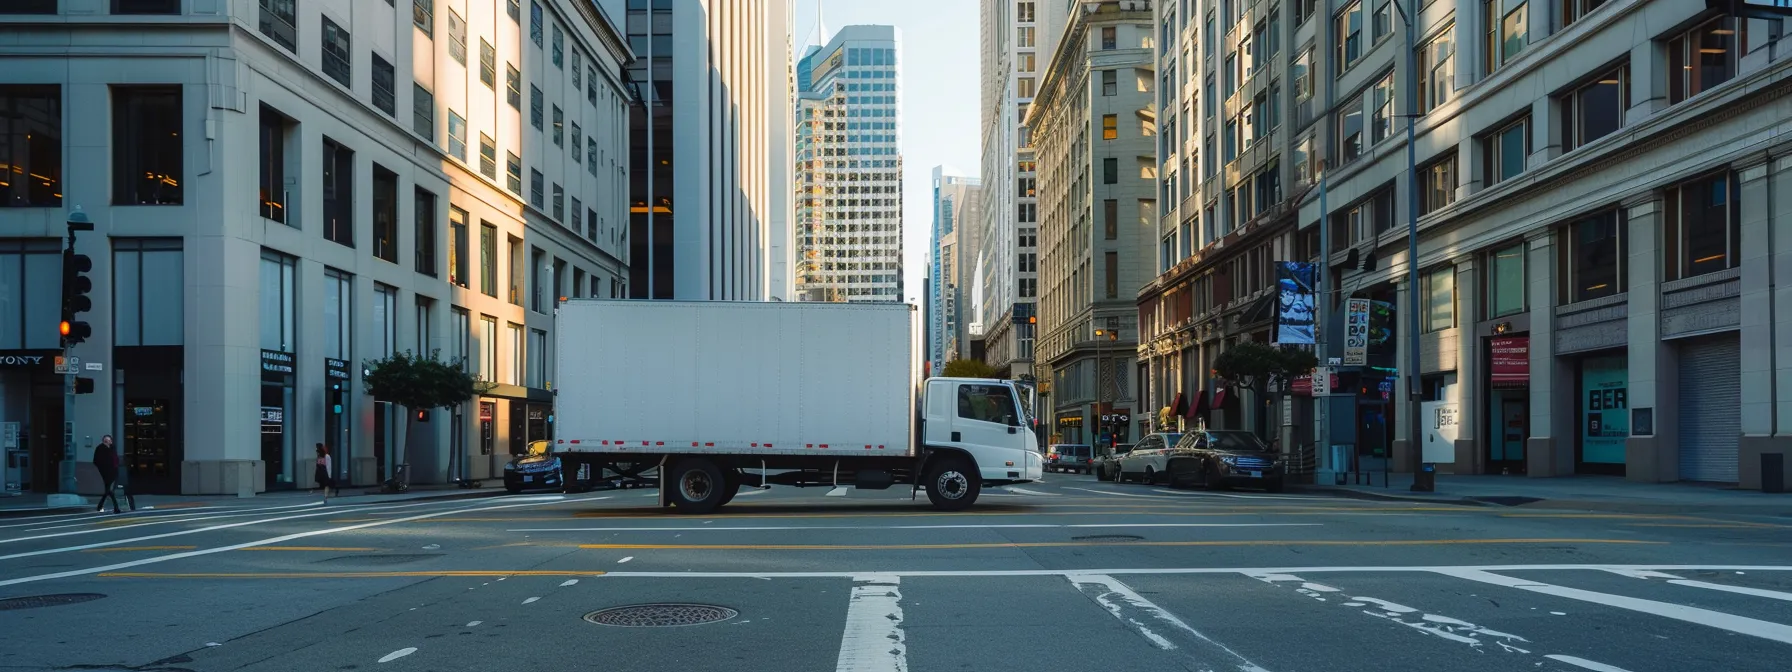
point(1069, 574)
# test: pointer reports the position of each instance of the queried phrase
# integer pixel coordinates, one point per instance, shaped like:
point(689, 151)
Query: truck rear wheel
point(696, 486)
point(730, 485)
point(953, 482)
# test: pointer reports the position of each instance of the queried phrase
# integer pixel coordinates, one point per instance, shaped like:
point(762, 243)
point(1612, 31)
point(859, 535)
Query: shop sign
point(336, 369)
point(21, 361)
point(1511, 361)
point(273, 415)
point(1356, 332)
point(277, 362)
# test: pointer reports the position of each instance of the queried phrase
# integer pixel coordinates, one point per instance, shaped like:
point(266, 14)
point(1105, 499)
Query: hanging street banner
point(1295, 305)
point(1356, 332)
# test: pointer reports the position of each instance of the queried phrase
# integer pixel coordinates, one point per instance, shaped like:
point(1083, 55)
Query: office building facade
point(950, 245)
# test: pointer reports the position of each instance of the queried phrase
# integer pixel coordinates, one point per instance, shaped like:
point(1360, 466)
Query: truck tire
point(696, 486)
point(730, 485)
point(953, 482)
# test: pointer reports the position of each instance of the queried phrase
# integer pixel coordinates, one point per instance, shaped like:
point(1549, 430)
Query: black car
point(540, 468)
point(1222, 458)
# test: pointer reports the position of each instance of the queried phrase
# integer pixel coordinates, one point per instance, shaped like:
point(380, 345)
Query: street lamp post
point(1424, 477)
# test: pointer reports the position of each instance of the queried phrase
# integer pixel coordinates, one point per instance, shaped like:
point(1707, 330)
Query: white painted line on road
point(838, 491)
point(1141, 571)
point(1013, 526)
point(750, 491)
point(1643, 574)
point(1738, 624)
point(271, 540)
point(1228, 495)
point(1739, 590)
point(625, 560)
point(395, 655)
point(116, 542)
point(148, 520)
point(1124, 494)
point(83, 512)
point(569, 582)
point(873, 640)
point(1024, 491)
point(474, 624)
point(1122, 602)
point(91, 517)
point(1584, 663)
point(531, 600)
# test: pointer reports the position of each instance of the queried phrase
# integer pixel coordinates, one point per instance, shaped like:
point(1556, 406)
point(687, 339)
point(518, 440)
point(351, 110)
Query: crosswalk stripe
point(873, 640)
point(1739, 590)
point(1129, 608)
point(1716, 619)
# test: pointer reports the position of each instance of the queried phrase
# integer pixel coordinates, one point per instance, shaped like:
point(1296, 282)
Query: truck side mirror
point(1010, 421)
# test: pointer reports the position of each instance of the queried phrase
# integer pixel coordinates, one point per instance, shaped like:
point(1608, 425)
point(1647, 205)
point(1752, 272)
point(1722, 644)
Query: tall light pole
point(1424, 477)
point(75, 286)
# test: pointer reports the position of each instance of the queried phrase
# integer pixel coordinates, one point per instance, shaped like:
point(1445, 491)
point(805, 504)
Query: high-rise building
point(849, 168)
point(279, 207)
point(1017, 39)
point(709, 131)
point(947, 331)
point(1094, 131)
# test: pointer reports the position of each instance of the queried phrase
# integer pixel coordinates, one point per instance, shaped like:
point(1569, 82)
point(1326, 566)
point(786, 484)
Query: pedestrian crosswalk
point(1560, 618)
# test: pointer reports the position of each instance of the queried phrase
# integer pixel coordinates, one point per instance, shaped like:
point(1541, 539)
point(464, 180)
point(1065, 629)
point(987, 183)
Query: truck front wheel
point(953, 482)
point(696, 486)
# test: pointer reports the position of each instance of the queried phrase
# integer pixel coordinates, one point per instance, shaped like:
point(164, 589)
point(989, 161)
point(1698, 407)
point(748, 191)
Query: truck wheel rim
point(696, 486)
point(953, 485)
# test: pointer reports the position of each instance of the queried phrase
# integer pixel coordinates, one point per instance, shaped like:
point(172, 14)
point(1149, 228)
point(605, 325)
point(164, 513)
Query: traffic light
point(83, 386)
point(422, 415)
point(75, 286)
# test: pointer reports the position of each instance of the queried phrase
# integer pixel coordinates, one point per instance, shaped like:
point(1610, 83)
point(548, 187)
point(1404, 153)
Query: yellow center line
point(121, 549)
point(348, 575)
point(1704, 526)
point(1053, 544)
point(308, 548)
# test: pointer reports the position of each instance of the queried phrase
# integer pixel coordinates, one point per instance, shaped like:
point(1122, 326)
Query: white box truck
point(721, 395)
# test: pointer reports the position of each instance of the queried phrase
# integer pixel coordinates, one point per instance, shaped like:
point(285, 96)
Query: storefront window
point(1594, 258)
point(1704, 236)
point(1506, 282)
point(1605, 408)
point(1440, 299)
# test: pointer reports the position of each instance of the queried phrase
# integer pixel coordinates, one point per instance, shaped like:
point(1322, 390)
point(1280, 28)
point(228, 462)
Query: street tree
point(970, 368)
point(419, 383)
point(1250, 363)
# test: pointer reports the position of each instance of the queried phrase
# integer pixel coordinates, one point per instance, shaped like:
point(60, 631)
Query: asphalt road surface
point(1069, 574)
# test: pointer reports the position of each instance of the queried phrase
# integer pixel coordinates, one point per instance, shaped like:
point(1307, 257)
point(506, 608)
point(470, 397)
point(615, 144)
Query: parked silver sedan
point(1146, 461)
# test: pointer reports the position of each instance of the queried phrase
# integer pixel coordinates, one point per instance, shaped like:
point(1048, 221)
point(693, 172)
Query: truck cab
point(988, 420)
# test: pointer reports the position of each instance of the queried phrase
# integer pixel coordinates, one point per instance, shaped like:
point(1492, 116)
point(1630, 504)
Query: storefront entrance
point(1603, 384)
point(1508, 404)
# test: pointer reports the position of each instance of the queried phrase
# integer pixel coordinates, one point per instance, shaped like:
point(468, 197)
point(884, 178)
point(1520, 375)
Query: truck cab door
point(985, 417)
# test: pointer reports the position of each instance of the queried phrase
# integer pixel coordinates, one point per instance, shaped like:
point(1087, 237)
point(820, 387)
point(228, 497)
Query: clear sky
point(938, 52)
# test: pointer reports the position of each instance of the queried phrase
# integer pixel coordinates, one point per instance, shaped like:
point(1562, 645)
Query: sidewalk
point(37, 502)
point(1598, 493)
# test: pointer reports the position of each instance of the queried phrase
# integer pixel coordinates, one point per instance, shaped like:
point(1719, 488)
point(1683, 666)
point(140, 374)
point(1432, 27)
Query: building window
point(384, 96)
point(513, 173)
point(577, 208)
point(538, 358)
point(423, 14)
point(515, 10)
point(1109, 38)
point(30, 301)
point(1508, 31)
point(537, 260)
point(275, 132)
point(339, 193)
point(559, 127)
point(1594, 258)
point(339, 314)
point(457, 37)
point(591, 85)
point(1381, 117)
point(559, 47)
point(385, 214)
point(1506, 282)
point(1440, 299)
point(145, 6)
point(460, 331)
point(488, 64)
point(1437, 69)
point(513, 87)
point(1110, 218)
point(458, 257)
point(537, 190)
point(1701, 58)
point(1573, 10)
point(146, 146)
point(488, 157)
point(1110, 171)
point(385, 320)
point(279, 21)
point(457, 136)
point(1109, 82)
point(1302, 73)
point(578, 70)
point(147, 282)
point(559, 203)
point(1703, 234)
point(1027, 61)
point(1350, 130)
point(425, 306)
point(279, 304)
point(535, 106)
point(31, 144)
point(1349, 34)
point(1505, 151)
point(513, 371)
point(1595, 109)
point(1110, 126)
point(1023, 11)
point(1383, 23)
point(1025, 87)
point(338, 54)
point(515, 252)
point(578, 141)
point(1440, 184)
point(1111, 268)
point(534, 28)
point(423, 112)
point(1381, 211)
point(488, 346)
point(1305, 162)
point(423, 230)
point(1023, 37)
point(488, 259)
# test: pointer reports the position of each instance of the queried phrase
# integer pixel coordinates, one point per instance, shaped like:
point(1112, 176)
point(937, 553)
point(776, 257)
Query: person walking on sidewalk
point(105, 459)
point(324, 471)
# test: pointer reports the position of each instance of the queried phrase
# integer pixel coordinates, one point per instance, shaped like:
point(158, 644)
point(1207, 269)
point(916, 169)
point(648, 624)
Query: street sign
point(1322, 381)
point(95, 366)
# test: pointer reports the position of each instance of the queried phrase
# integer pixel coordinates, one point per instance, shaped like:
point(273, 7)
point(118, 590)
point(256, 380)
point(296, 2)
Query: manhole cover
point(1109, 538)
point(661, 615)
point(36, 601)
point(390, 559)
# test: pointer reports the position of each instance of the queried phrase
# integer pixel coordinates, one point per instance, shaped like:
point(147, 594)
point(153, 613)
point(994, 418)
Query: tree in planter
point(970, 368)
point(1250, 363)
point(419, 383)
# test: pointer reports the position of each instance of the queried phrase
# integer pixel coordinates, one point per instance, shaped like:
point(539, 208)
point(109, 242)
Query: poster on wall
point(1295, 307)
point(1511, 360)
point(1605, 409)
point(1441, 431)
point(1356, 332)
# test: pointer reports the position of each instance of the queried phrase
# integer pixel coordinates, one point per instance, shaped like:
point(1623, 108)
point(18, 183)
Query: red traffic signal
point(423, 415)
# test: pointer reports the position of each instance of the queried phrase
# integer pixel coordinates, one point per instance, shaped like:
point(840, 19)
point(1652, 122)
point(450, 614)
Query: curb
point(373, 498)
point(1518, 502)
point(1346, 493)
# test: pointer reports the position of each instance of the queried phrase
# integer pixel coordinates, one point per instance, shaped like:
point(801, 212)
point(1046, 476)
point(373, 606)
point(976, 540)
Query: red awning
point(1180, 408)
point(1219, 398)
point(1511, 361)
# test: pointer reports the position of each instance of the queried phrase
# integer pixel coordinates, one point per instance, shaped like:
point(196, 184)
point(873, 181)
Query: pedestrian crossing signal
point(83, 386)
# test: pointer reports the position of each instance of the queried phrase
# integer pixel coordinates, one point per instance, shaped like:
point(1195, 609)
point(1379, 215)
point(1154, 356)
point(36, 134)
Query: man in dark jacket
point(105, 459)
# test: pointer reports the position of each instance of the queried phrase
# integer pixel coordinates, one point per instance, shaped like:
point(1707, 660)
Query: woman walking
point(324, 471)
